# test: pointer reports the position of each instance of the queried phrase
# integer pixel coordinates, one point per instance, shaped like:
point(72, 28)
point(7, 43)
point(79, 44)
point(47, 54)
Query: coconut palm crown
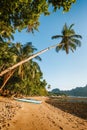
point(70, 40)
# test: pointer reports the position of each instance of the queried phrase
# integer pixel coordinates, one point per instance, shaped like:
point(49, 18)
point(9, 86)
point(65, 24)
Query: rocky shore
point(70, 105)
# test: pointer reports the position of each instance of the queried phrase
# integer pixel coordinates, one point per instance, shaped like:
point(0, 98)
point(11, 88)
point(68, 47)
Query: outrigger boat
point(28, 100)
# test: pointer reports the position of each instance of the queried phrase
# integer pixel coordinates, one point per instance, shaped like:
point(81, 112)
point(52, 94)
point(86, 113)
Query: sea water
point(77, 99)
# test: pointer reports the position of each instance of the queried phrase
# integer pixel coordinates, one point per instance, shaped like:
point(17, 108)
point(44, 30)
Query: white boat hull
point(28, 100)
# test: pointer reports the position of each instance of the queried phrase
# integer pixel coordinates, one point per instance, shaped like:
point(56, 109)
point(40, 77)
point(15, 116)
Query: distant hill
point(78, 91)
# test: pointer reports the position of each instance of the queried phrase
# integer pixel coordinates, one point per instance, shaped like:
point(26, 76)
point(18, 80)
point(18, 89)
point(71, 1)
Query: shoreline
point(44, 116)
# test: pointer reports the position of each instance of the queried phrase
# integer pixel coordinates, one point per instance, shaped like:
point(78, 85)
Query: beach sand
point(44, 116)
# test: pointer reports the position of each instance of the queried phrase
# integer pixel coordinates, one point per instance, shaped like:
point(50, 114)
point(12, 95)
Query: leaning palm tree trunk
point(7, 77)
point(26, 60)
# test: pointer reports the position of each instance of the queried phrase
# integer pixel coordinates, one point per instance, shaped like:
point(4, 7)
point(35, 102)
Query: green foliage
point(20, 14)
point(6, 56)
point(70, 40)
point(27, 78)
point(65, 4)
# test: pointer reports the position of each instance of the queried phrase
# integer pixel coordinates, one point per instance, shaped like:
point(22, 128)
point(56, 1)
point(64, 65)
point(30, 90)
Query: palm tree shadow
point(78, 109)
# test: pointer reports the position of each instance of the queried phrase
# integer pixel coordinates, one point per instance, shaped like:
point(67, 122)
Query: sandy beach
point(45, 116)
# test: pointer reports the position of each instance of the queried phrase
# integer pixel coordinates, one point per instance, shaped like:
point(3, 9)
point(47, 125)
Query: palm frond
point(66, 48)
point(38, 58)
point(57, 36)
point(64, 30)
point(77, 42)
point(76, 35)
point(71, 49)
point(72, 46)
point(59, 47)
point(65, 27)
point(71, 26)
point(35, 65)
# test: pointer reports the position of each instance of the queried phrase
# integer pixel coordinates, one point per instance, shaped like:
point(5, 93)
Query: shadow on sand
point(78, 109)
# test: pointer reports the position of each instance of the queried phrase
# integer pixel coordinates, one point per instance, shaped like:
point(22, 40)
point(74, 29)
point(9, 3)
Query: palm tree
point(20, 52)
point(49, 86)
point(70, 40)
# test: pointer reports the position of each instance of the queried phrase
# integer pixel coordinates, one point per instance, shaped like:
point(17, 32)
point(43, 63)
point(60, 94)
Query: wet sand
point(44, 116)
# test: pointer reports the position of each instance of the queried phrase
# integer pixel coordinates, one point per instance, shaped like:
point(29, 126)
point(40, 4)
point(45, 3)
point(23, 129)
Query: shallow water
point(77, 99)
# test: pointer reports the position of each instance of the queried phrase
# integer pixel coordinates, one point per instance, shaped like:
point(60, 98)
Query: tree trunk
point(6, 78)
point(25, 60)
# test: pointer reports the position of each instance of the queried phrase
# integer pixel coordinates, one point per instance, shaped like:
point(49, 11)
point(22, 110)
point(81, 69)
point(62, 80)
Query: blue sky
point(59, 69)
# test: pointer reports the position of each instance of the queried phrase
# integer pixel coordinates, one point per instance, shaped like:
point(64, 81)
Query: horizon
point(61, 70)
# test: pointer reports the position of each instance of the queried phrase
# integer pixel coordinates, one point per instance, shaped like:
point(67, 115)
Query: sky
point(59, 69)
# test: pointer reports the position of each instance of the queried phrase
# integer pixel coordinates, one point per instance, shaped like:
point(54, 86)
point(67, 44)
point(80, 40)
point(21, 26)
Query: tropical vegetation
point(70, 40)
point(21, 14)
point(27, 77)
point(19, 72)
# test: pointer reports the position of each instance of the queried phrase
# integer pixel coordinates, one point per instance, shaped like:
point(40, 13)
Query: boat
point(28, 100)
